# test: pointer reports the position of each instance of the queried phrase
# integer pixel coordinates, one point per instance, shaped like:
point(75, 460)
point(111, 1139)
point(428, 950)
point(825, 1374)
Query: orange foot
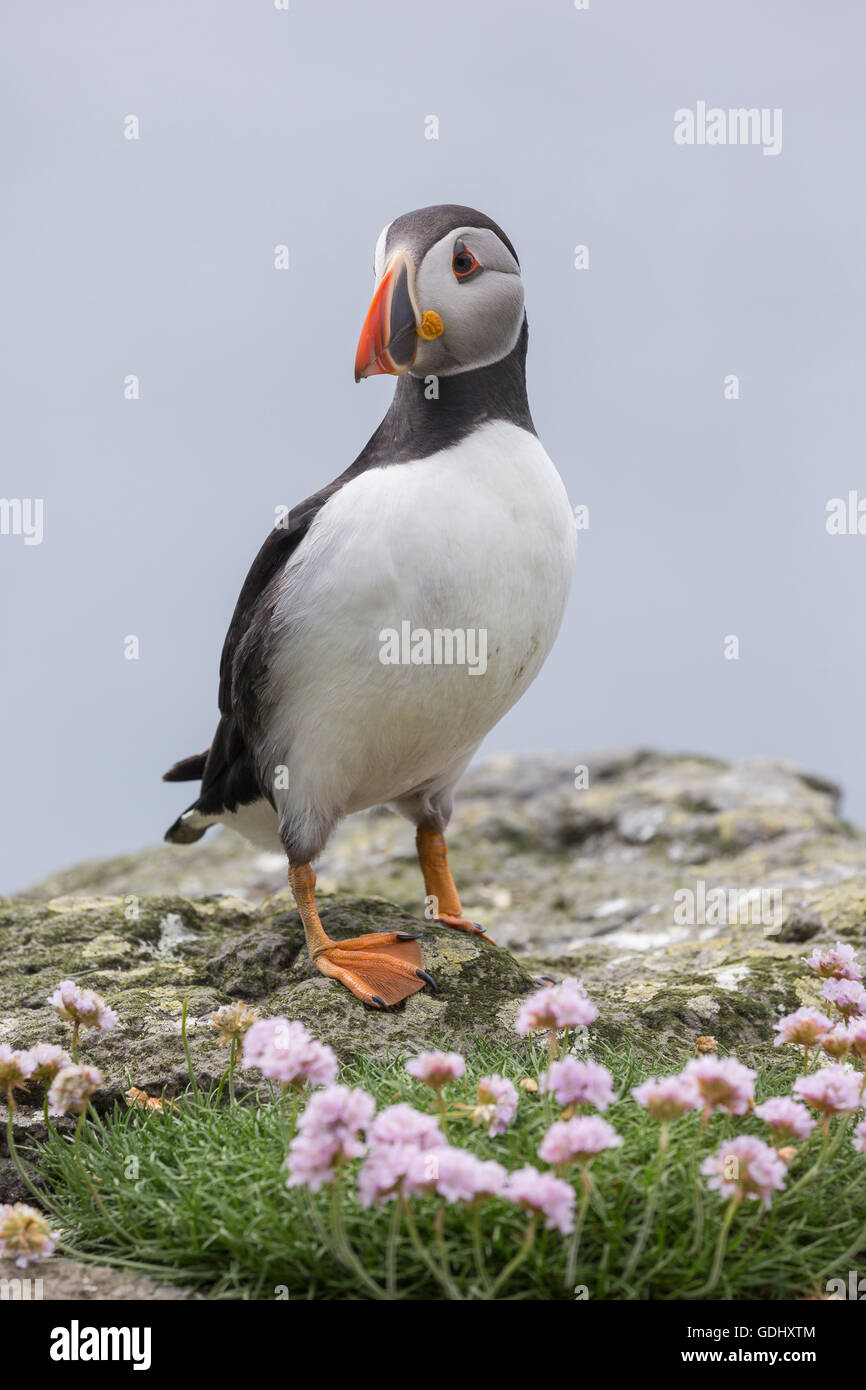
point(463, 924)
point(381, 968)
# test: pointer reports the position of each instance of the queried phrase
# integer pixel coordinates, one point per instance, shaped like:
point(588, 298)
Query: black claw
point(376, 1000)
point(542, 980)
point(481, 930)
point(407, 936)
point(428, 980)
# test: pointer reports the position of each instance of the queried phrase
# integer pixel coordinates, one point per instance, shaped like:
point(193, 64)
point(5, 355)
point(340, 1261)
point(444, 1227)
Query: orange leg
point(381, 968)
point(433, 858)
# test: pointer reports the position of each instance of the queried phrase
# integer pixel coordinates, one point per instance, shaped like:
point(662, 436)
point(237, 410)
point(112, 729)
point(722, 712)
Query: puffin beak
point(389, 339)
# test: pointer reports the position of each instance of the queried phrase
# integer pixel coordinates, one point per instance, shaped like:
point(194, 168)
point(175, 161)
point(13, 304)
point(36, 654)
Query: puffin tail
point(188, 769)
point(191, 825)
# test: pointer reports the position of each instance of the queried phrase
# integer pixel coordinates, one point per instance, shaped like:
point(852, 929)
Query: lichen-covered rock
point(148, 960)
point(617, 879)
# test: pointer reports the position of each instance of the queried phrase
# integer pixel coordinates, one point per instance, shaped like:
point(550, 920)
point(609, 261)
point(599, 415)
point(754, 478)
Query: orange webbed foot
point(464, 924)
point(380, 968)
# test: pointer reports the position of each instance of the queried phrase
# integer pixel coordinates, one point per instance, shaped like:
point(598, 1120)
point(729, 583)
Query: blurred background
point(305, 127)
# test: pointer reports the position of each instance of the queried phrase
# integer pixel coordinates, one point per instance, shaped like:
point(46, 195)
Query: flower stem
point(574, 1243)
point(391, 1251)
point(423, 1254)
point(513, 1264)
point(652, 1202)
point(190, 1067)
point(718, 1258)
point(478, 1247)
point(341, 1241)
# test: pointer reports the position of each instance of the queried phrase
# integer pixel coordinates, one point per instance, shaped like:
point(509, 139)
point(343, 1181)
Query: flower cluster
point(71, 1089)
point(566, 1005)
point(82, 1007)
point(286, 1052)
point(328, 1135)
point(745, 1167)
point(233, 1021)
point(25, 1235)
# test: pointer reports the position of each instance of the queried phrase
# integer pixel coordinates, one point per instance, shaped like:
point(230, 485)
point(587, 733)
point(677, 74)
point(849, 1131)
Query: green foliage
point(197, 1195)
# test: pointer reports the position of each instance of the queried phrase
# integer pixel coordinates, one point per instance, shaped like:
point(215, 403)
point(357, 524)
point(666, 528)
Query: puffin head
point(449, 297)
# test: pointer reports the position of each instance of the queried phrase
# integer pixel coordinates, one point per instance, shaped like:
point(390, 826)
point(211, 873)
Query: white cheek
point(379, 254)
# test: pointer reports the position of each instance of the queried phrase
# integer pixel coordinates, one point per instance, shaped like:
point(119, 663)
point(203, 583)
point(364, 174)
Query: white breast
point(476, 537)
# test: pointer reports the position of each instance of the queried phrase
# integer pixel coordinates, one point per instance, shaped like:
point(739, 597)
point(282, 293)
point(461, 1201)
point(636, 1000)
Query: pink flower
point(667, 1097)
point(455, 1174)
point(402, 1124)
point(25, 1235)
point(82, 1007)
point(543, 1193)
point(804, 1027)
point(839, 962)
point(286, 1052)
point(497, 1104)
point(436, 1069)
point(831, 1090)
point(722, 1083)
point(577, 1140)
point(72, 1088)
point(384, 1173)
point(849, 996)
point(786, 1117)
point(745, 1167)
point(15, 1067)
point(566, 1005)
point(47, 1061)
point(328, 1135)
point(855, 1034)
point(578, 1083)
point(859, 1140)
point(837, 1043)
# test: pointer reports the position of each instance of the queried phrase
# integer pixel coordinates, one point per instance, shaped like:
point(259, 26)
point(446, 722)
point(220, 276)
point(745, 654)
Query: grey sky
point(258, 127)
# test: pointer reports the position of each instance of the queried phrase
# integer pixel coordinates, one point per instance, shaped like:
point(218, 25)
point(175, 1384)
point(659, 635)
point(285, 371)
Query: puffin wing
point(227, 769)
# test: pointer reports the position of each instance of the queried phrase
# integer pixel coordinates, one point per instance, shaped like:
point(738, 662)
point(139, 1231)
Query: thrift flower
point(403, 1124)
point(832, 1090)
point(705, 1044)
point(577, 1140)
point(436, 1069)
point(855, 1033)
point(286, 1052)
point(47, 1061)
point(232, 1021)
point(566, 1005)
point(72, 1088)
point(849, 996)
point(15, 1067)
point(497, 1104)
point(455, 1174)
point(838, 963)
point(722, 1083)
point(384, 1173)
point(786, 1118)
point(82, 1007)
point(327, 1135)
point(667, 1097)
point(544, 1194)
point(578, 1083)
point(859, 1140)
point(25, 1235)
point(805, 1027)
point(745, 1167)
point(837, 1043)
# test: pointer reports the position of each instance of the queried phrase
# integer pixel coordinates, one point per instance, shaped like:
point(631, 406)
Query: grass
point(198, 1197)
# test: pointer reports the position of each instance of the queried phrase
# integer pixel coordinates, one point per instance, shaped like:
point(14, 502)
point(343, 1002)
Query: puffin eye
point(463, 263)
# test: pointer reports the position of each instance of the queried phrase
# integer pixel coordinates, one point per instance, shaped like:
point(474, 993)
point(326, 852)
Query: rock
point(614, 882)
point(60, 1279)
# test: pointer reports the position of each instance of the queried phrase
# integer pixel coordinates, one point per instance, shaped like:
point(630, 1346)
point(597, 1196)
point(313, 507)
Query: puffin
point(391, 619)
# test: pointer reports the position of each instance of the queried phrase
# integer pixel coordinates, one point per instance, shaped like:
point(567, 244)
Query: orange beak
point(389, 339)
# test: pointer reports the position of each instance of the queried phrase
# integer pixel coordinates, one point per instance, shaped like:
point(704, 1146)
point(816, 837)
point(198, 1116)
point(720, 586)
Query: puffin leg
point(433, 858)
point(381, 968)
